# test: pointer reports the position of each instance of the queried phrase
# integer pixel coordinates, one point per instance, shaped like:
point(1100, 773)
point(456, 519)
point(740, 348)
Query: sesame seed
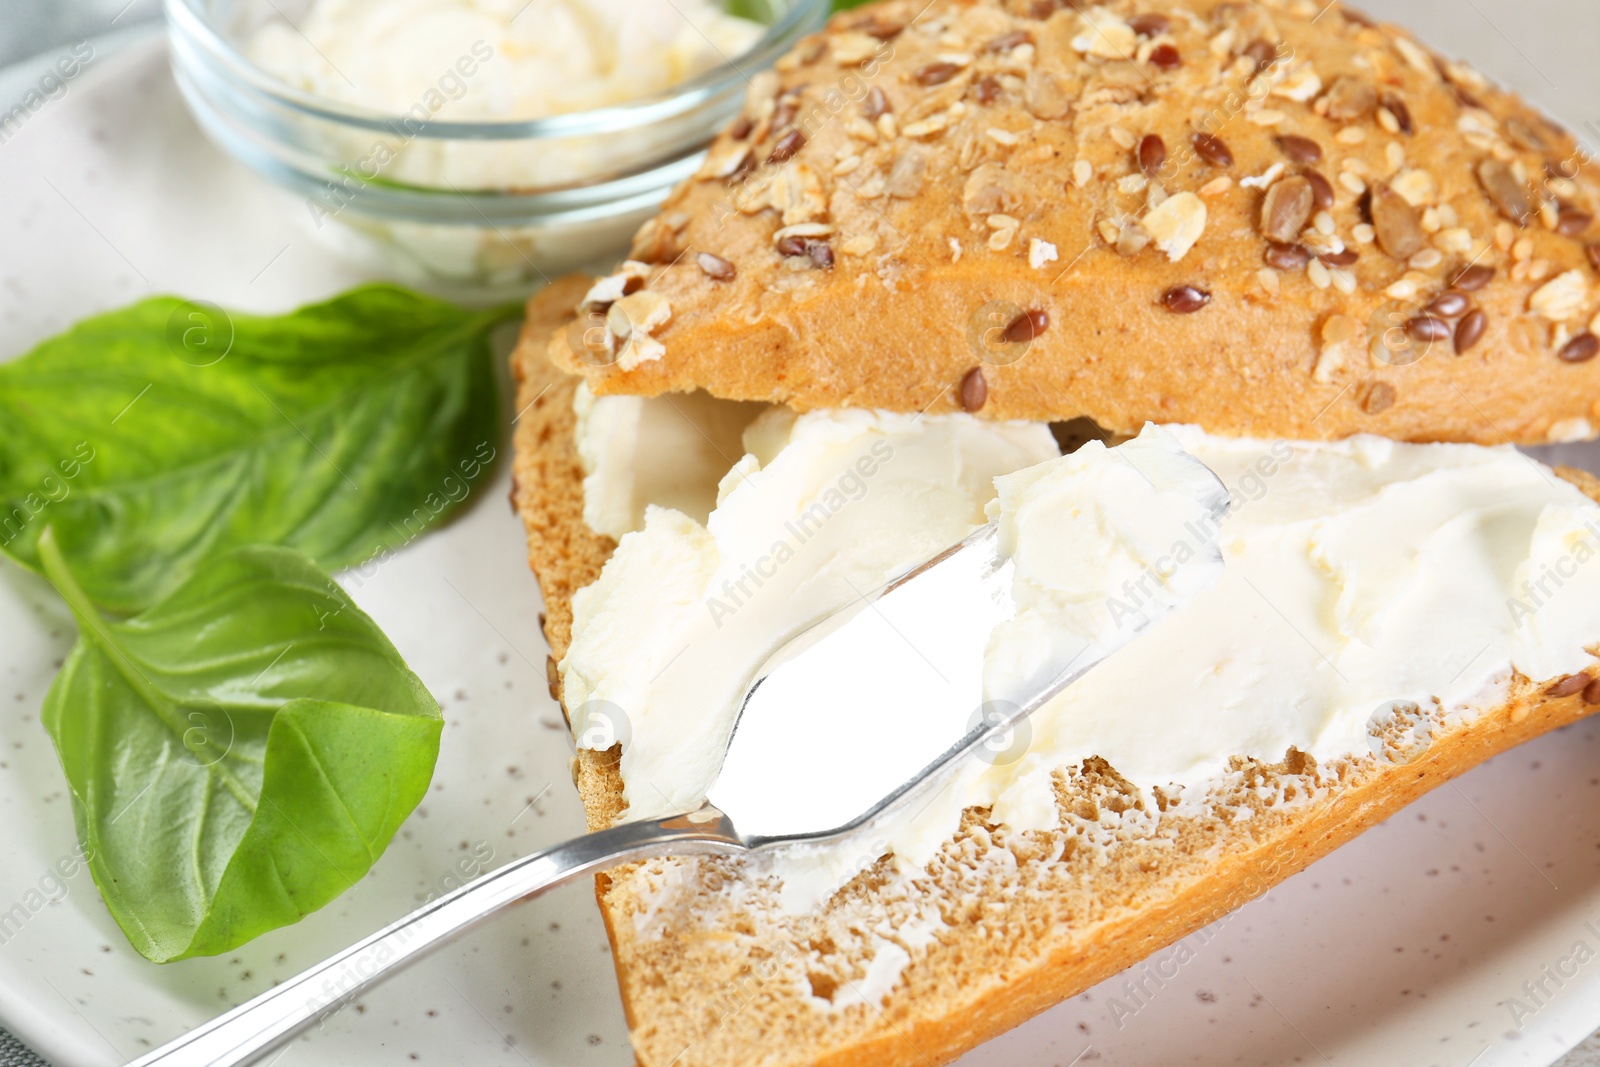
point(715, 267)
point(1377, 398)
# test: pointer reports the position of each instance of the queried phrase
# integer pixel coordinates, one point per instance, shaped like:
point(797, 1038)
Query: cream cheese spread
point(665, 450)
point(1102, 542)
point(821, 508)
point(1357, 574)
point(499, 60)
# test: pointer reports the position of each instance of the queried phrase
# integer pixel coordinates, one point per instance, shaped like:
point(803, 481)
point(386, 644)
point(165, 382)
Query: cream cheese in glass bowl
point(476, 141)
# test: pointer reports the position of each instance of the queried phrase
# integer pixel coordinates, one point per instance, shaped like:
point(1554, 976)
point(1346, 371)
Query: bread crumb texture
point(900, 969)
point(1180, 197)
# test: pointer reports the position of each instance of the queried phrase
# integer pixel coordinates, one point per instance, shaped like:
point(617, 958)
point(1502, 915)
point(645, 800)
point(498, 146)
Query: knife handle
point(259, 1026)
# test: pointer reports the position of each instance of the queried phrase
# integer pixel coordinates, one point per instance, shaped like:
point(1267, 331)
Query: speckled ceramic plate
point(1449, 936)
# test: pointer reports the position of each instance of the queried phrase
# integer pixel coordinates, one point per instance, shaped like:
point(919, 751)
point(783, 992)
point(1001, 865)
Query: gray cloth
point(14, 1053)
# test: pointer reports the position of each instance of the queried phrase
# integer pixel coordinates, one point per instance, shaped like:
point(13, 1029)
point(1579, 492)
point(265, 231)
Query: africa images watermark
point(51, 85)
point(451, 85)
point(52, 489)
point(1137, 596)
point(847, 488)
point(1538, 992)
point(1538, 590)
point(453, 489)
point(338, 987)
point(51, 888)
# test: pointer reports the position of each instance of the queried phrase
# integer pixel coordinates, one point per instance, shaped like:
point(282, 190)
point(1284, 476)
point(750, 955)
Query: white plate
point(1403, 948)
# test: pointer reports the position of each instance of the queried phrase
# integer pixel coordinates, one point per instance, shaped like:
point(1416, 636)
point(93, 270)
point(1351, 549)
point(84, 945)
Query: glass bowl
point(478, 202)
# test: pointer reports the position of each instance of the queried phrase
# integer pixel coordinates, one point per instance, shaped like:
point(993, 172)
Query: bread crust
point(938, 218)
point(1065, 923)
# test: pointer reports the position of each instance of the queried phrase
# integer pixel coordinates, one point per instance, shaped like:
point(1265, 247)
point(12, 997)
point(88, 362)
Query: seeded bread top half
point(1269, 218)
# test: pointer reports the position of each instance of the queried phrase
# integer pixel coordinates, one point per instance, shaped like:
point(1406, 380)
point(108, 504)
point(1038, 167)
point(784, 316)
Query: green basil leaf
point(161, 434)
point(239, 754)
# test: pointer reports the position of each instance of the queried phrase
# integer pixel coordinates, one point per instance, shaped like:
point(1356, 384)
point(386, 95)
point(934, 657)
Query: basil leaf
point(239, 754)
point(161, 434)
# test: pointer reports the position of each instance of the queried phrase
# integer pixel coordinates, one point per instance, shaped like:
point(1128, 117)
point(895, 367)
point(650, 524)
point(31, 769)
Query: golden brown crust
point(1018, 137)
point(1026, 920)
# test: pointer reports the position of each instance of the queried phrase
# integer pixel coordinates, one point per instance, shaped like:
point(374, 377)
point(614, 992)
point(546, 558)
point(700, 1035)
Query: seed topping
point(1505, 191)
point(1395, 221)
point(1286, 209)
point(1152, 153)
point(1026, 326)
point(1571, 685)
point(1377, 398)
point(1427, 329)
point(1396, 106)
point(1470, 331)
point(1581, 349)
point(936, 73)
point(1321, 190)
point(787, 146)
point(1185, 299)
point(1573, 223)
point(1151, 25)
point(1287, 257)
point(1214, 150)
point(715, 267)
point(1302, 150)
point(974, 390)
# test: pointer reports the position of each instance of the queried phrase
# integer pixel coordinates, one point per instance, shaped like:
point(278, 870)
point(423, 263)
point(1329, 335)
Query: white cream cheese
point(665, 450)
point(1102, 542)
point(1357, 574)
point(821, 508)
point(499, 60)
